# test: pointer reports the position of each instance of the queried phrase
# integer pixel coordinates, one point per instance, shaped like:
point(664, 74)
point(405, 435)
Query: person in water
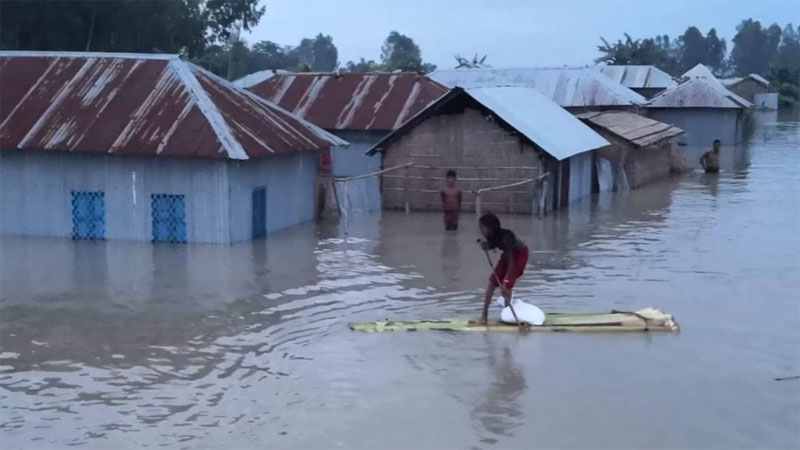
point(451, 201)
point(710, 159)
point(511, 264)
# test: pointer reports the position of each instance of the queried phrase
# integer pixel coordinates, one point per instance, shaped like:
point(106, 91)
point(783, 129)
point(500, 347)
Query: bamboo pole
point(407, 187)
point(367, 175)
point(505, 186)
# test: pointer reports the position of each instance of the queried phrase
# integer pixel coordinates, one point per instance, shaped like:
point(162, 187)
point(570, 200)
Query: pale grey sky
point(511, 32)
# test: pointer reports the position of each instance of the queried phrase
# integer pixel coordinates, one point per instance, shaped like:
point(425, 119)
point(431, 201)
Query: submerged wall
point(701, 126)
point(289, 181)
point(474, 145)
point(35, 193)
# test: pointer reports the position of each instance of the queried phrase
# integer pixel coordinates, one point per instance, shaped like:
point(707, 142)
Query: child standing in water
point(451, 201)
point(511, 264)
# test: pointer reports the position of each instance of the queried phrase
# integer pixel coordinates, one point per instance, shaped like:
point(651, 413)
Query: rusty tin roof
point(351, 101)
point(140, 104)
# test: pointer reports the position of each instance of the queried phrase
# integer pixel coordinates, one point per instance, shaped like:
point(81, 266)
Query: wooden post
point(477, 203)
point(407, 187)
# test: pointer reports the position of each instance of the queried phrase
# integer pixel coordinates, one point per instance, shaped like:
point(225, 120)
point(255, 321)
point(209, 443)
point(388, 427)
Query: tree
point(266, 55)
point(716, 49)
point(656, 51)
point(755, 48)
point(141, 26)
point(786, 81)
point(399, 52)
point(789, 49)
point(692, 49)
point(363, 66)
point(319, 54)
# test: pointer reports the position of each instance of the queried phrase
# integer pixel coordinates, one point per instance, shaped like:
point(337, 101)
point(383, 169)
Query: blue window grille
point(259, 212)
point(169, 218)
point(88, 215)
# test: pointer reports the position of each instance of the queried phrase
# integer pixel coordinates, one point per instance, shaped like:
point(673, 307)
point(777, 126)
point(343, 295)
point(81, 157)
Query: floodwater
point(125, 345)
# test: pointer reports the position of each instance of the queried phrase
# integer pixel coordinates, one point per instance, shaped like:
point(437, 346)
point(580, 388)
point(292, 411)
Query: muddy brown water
point(126, 345)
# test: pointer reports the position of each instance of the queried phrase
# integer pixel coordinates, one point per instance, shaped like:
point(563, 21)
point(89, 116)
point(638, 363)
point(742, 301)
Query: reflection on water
point(115, 345)
point(500, 409)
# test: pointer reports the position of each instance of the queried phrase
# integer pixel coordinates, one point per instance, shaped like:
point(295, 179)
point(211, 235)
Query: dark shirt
point(503, 239)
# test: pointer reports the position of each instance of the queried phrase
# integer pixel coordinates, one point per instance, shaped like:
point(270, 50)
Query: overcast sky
point(512, 32)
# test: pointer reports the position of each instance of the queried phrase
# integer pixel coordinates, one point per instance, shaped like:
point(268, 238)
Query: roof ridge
point(246, 92)
point(209, 109)
point(69, 54)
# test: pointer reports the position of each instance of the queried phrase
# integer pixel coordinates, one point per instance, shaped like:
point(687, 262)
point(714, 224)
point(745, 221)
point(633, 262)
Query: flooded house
point(642, 150)
point(361, 108)
point(147, 147)
point(647, 81)
point(753, 88)
point(702, 107)
point(577, 90)
point(492, 137)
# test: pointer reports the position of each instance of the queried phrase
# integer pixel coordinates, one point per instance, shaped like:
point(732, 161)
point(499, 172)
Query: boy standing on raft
point(511, 264)
point(451, 201)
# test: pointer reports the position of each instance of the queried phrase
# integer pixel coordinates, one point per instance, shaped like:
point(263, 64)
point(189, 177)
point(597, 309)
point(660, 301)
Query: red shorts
point(520, 261)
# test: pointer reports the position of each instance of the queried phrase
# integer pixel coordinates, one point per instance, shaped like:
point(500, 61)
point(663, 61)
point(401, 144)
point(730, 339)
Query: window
point(259, 212)
point(88, 215)
point(169, 218)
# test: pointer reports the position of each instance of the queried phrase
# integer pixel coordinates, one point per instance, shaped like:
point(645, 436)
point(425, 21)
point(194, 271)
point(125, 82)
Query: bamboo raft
point(643, 320)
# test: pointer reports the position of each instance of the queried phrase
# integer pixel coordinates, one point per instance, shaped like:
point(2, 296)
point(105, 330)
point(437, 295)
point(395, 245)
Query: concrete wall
point(466, 140)
point(35, 193)
point(702, 126)
point(290, 181)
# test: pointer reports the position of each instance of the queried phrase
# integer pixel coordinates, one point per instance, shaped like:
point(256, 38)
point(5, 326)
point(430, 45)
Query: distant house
point(359, 107)
point(703, 108)
point(648, 81)
point(492, 136)
point(755, 89)
point(645, 149)
point(577, 90)
point(147, 147)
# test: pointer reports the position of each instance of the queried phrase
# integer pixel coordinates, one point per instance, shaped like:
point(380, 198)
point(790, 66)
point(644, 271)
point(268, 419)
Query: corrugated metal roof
point(638, 130)
point(257, 77)
point(351, 101)
point(567, 87)
point(638, 77)
point(140, 104)
point(700, 92)
point(543, 122)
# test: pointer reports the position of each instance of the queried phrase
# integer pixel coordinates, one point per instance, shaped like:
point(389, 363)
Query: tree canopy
point(142, 26)
point(673, 56)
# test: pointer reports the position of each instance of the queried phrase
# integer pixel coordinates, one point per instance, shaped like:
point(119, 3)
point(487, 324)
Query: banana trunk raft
point(649, 319)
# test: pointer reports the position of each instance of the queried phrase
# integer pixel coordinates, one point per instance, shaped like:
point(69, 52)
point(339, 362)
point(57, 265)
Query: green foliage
point(673, 57)
point(755, 48)
point(319, 54)
point(399, 52)
point(142, 26)
point(656, 51)
point(785, 80)
point(265, 55)
point(363, 66)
